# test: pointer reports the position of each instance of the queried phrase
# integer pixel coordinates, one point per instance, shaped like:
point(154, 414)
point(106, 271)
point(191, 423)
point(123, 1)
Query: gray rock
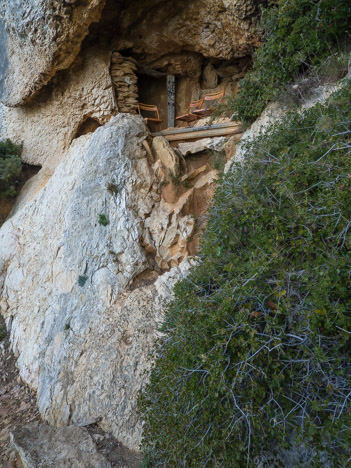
point(215, 144)
point(48, 447)
point(43, 36)
point(209, 77)
point(82, 323)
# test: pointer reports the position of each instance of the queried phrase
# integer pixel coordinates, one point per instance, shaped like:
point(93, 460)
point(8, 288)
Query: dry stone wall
point(125, 83)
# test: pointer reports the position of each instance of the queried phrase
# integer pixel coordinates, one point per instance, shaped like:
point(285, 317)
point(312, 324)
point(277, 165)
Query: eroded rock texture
point(85, 300)
point(47, 447)
point(102, 233)
point(214, 28)
point(52, 120)
point(38, 38)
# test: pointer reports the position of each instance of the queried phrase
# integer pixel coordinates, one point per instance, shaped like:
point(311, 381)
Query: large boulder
point(81, 281)
point(47, 447)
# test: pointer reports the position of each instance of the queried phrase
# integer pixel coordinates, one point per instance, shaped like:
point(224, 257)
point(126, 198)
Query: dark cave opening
point(88, 125)
point(154, 39)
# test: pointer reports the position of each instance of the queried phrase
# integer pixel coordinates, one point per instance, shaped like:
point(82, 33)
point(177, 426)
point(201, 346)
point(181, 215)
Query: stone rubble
point(214, 144)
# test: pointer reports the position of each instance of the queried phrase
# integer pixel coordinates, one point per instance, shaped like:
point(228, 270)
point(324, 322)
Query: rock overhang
point(41, 37)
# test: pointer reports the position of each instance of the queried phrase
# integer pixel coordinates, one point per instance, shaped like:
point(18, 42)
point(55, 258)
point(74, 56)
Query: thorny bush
point(297, 34)
point(256, 354)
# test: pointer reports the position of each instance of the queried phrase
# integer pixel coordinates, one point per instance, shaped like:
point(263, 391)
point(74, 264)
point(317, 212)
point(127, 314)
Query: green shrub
point(10, 168)
point(296, 35)
point(256, 354)
point(103, 221)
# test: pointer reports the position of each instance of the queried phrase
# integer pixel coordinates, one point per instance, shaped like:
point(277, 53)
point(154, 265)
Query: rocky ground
point(17, 402)
point(18, 408)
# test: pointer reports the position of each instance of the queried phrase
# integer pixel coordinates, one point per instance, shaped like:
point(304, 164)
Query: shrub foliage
point(10, 168)
point(296, 35)
point(256, 353)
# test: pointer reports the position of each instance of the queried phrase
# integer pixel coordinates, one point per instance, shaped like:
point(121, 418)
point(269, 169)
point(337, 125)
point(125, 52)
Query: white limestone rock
point(48, 125)
point(38, 38)
point(215, 144)
point(81, 324)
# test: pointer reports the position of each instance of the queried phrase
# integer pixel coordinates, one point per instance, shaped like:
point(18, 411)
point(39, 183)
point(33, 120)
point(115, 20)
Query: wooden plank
point(171, 100)
point(195, 129)
point(204, 134)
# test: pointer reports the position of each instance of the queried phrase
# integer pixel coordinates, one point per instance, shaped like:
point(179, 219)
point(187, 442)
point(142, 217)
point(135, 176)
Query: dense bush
point(297, 34)
point(10, 168)
point(256, 353)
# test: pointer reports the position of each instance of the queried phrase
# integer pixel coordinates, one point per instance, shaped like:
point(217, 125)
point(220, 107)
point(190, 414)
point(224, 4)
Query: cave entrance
point(152, 40)
point(154, 90)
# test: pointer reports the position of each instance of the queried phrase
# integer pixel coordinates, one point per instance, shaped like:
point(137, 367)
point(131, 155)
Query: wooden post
point(171, 100)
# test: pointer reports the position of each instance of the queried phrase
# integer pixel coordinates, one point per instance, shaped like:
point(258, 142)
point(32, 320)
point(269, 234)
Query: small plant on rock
point(112, 188)
point(103, 221)
point(2, 333)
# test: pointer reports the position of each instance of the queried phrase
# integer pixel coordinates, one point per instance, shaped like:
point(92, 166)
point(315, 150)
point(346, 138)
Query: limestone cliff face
point(214, 28)
point(57, 85)
point(48, 125)
point(83, 300)
point(81, 322)
point(40, 37)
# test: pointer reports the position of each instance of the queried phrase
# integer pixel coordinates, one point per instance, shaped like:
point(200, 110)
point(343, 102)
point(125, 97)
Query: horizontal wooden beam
point(214, 132)
point(177, 131)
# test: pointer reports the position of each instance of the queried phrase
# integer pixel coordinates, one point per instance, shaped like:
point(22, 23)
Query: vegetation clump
point(297, 35)
point(10, 168)
point(102, 220)
point(256, 355)
point(2, 333)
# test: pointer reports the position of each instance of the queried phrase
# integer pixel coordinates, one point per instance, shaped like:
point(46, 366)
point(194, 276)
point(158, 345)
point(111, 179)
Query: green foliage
point(218, 159)
point(2, 333)
point(10, 168)
point(103, 220)
point(297, 34)
point(256, 354)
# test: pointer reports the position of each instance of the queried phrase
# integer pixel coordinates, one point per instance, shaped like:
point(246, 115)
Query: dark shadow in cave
point(89, 125)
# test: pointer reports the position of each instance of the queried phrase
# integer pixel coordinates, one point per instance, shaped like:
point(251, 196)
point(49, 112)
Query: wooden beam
point(215, 132)
point(176, 131)
point(171, 100)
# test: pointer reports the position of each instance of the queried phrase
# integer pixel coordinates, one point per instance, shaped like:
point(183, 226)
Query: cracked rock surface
point(38, 38)
point(84, 299)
